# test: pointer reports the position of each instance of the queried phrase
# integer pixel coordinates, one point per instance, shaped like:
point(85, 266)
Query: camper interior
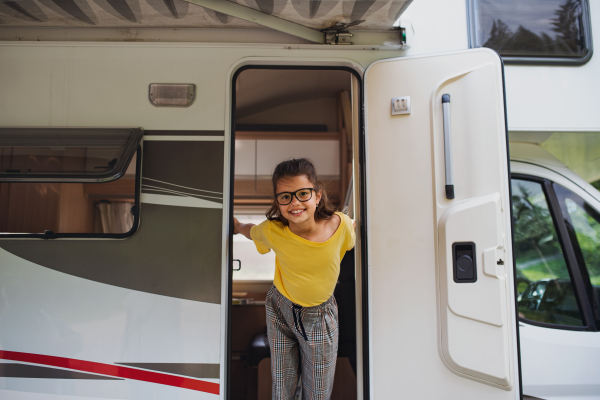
point(42, 200)
point(282, 114)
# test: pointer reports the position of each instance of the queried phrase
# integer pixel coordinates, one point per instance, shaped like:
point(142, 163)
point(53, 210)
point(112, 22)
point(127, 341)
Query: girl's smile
point(299, 213)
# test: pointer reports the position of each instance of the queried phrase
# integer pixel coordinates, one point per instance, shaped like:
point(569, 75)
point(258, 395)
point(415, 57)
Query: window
point(583, 224)
point(530, 31)
point(57, 182)
point(545, 292)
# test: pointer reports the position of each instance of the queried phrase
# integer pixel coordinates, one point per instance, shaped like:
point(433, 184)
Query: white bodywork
point(556, 363)
point(105, 84)
point(116, 96)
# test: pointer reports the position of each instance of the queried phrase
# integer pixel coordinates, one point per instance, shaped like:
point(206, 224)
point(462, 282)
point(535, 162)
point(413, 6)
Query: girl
point(309, 240)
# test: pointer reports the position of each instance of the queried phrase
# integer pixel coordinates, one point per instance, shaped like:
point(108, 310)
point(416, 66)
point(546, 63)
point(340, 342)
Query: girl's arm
point(244, 229)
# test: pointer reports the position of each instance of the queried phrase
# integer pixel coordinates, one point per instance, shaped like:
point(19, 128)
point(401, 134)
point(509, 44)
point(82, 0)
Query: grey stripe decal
point(34, 371)
point(176, 251)
point(201, 371)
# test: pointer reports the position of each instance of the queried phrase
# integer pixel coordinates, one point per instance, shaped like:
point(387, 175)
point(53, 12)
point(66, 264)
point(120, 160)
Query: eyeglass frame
point(294, 194)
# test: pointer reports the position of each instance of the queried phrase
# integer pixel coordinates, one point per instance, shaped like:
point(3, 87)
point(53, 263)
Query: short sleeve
point(260, 235)
point(350, 239)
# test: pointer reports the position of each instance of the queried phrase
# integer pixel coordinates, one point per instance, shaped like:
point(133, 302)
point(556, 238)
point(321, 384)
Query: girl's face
point(297, 212)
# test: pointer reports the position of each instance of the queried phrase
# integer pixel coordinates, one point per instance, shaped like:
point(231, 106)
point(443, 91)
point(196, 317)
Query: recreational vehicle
point(132, 132)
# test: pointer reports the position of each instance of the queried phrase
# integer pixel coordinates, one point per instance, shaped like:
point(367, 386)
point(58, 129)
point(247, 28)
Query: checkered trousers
point(302, 339)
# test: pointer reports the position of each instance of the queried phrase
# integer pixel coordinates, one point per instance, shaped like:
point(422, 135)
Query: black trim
point(542, 60)
point(135, 211)
point(583, 270)
point(566, 247)
point(572, 264)
point(364, 270)
point(364, 249)
point(182, 133)
point(553, 326)
point(512, 231)
point(229, 294)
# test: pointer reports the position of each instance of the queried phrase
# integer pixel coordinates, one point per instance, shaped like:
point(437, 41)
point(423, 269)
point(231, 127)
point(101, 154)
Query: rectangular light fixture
point(171, 94)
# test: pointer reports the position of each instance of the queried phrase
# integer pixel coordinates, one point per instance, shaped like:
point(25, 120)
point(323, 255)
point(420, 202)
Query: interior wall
point(308, 112)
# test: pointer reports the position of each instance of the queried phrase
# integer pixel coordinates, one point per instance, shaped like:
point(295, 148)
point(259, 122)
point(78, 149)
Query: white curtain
point(116, 217)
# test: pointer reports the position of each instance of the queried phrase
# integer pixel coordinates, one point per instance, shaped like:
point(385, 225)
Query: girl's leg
point(319, 353)
point(284, 347)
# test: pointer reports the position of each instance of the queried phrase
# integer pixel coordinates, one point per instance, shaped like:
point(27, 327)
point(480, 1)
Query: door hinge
point(339, 34)
point(337, 37)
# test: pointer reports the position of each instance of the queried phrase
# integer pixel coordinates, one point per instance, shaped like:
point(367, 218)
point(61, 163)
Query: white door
point(440, 284)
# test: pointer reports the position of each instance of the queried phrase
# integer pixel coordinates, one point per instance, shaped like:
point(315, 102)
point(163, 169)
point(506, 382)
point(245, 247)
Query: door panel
point(425, 326)
point(470, 328)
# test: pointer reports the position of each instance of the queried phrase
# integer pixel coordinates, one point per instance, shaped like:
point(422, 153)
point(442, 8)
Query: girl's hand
point(244, 229)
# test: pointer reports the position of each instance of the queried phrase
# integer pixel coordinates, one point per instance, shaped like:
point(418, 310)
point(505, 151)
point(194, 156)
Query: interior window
point(531, 28)
point(68, 181)
point(584, 222)
point(545, 292)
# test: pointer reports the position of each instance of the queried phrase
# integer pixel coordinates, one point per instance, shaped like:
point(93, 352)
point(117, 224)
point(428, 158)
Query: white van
point(127, 148)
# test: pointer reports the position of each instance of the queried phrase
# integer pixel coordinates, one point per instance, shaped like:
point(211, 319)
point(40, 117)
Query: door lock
point(464, 262)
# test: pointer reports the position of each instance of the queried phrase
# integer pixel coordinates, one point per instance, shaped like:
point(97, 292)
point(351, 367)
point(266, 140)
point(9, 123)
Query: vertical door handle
point(447, 146)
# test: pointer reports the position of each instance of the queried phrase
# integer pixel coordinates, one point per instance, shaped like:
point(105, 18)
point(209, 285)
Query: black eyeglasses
point(285, 198)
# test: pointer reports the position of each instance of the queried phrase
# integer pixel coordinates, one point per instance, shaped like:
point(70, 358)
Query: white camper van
point(132, 131)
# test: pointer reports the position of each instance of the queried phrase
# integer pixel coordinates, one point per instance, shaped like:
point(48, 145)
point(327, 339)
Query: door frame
point(362, 295)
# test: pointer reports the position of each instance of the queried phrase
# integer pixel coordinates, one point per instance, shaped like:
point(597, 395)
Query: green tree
point(567, 25)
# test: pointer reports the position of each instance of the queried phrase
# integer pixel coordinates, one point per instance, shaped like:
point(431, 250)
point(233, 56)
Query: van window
point(65, 182)
point(583, 222)
point(532, 30)
point(66, 154)
point(545, 292)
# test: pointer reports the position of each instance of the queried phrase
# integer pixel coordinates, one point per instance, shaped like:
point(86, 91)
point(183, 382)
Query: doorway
point(281, 114)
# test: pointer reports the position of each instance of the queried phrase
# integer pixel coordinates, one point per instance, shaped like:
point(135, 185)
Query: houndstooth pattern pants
point(305, 337)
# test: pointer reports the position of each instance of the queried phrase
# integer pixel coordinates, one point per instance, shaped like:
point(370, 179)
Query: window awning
point(314, 14)
point(66, 154)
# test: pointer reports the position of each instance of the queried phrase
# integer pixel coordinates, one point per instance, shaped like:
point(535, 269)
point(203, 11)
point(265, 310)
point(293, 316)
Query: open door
point(441, 312)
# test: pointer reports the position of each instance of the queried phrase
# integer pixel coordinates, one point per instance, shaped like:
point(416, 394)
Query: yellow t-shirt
point(305, 272)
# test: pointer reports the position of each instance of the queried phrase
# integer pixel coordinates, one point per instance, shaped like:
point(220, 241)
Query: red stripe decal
point(113, 370)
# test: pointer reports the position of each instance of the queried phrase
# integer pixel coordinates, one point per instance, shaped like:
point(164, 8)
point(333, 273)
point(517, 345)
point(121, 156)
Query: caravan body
point(147, 314)
point(157, 301)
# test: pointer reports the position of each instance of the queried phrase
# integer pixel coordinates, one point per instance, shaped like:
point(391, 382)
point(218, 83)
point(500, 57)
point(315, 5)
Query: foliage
point(568, 40)
point(537, 250)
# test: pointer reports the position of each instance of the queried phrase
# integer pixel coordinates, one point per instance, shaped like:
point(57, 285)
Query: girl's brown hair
point(298, 167)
